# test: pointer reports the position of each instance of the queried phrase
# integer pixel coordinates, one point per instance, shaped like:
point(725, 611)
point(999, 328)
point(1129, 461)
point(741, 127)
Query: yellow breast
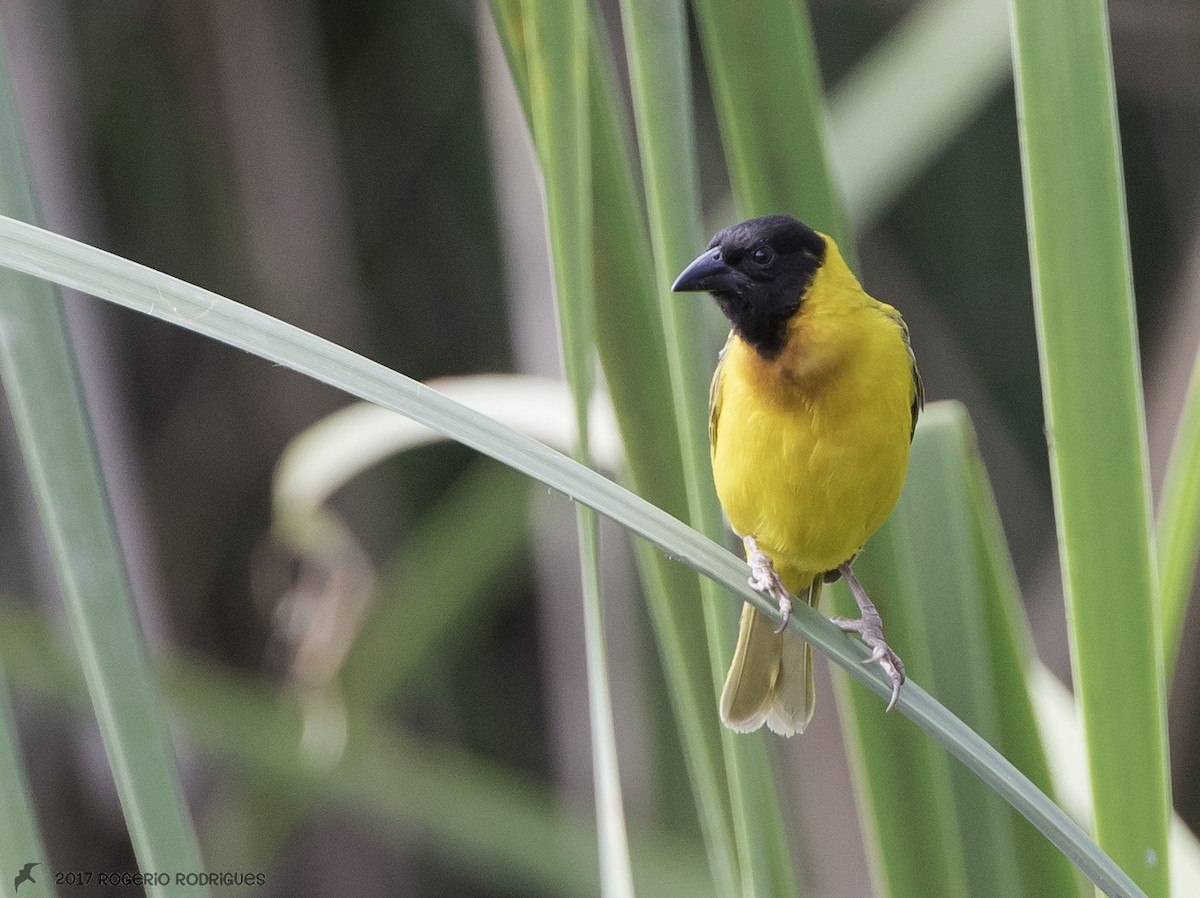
point(810, 449)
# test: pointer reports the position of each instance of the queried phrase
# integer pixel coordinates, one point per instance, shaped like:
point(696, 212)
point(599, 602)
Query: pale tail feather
point(795, 694)
point(770, 679)
point(749, 685)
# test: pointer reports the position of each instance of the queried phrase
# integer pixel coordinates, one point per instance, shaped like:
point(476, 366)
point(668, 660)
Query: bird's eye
point(763, 255)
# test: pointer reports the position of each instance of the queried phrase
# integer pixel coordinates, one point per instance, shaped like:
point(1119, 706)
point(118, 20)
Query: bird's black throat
point(764, 328)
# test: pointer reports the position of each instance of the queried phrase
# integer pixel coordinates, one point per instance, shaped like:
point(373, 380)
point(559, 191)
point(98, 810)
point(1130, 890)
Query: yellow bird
point(812, 411)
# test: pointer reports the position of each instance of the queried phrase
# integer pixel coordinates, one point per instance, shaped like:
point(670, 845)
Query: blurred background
point(361, 169)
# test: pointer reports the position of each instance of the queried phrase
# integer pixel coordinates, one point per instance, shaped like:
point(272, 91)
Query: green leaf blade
point(629, 334)
point(559, 94)
point(1095, 421)
point(54, 431)
point(776, 151)
point(656, 47)
point(940, 571)
point(1178, 532)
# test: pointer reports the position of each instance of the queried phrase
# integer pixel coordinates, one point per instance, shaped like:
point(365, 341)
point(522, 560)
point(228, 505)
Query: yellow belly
point(812, 463)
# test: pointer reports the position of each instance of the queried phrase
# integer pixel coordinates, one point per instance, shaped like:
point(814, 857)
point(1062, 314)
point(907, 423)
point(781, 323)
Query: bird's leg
point(764, 579)
point(870, 628)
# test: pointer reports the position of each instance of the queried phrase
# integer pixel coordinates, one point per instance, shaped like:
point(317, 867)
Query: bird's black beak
point(708, 272)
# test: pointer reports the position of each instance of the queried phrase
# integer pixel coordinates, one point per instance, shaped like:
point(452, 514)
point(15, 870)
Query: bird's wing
point(918, 386)
point(714, 397)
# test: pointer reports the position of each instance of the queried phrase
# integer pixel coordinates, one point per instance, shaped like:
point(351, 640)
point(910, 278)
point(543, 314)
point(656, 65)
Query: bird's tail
point(770, 679)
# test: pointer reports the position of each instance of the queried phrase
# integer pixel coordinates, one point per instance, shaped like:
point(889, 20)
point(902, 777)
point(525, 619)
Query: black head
point(758, 271)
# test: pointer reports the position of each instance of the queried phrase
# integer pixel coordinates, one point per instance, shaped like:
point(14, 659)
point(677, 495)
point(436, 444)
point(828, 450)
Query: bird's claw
point(764, 579)
point(785, 612)
point(870, 628)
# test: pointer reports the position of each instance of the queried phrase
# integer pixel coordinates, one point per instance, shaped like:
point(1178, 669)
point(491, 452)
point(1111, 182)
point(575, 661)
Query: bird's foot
point(764, 579)
point(870, 628)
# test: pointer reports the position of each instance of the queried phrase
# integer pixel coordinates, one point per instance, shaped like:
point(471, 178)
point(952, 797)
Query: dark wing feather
point(918, 398)
point(714, 398)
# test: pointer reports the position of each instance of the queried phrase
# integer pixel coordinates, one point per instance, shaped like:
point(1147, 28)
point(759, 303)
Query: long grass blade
point(557, 62)
point(656, 48)
point(1179, 523)
point(629, 333)
point(940, 569)
point(633, 345)
point(1095, 420)
point(125, 283)
point(763, 66)
point(558, 89)
point(1058, 720)
point(54, 432)
point(20, 838)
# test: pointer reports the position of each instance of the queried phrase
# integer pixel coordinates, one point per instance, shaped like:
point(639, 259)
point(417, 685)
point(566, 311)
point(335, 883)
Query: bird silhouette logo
point(25, 875)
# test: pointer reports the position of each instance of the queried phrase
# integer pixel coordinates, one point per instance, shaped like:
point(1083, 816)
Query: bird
point(812, 410)
point(25, 875)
